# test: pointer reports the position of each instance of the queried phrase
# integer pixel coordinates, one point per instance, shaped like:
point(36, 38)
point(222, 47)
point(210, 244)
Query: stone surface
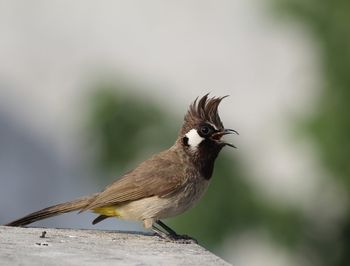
point(25, 246)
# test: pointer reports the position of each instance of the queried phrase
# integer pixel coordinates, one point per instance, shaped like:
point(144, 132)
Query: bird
point(163, 186)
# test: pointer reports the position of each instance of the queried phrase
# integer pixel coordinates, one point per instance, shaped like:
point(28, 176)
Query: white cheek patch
point(193, 138)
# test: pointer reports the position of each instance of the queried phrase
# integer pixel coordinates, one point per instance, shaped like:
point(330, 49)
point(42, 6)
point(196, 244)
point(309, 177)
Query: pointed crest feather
point(203, 110)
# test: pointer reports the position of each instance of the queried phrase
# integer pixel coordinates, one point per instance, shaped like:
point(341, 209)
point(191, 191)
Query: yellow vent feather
point(108, 211)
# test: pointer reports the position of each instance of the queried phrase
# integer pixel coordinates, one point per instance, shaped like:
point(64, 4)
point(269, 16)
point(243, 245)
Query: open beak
point(218, 135)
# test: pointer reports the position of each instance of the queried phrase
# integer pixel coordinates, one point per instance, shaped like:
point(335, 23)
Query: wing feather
point(154, 177)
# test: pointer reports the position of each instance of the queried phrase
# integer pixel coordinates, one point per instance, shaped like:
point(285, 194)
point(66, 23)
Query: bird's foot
point(180, 239)
point(184, 239)
point(171, 236)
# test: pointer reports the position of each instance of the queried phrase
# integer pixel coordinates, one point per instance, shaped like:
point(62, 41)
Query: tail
point(58, 209)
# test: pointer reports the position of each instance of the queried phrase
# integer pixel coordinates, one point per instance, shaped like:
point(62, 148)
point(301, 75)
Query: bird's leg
point(171, 234)
point(160, 232)
point(166, 228)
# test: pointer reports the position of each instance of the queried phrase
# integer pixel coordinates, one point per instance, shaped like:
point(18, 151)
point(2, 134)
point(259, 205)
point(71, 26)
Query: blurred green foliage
point(123, 127)
point(328, 21)
point(127, 129)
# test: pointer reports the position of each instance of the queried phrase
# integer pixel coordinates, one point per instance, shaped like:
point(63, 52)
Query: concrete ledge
point(24, 246)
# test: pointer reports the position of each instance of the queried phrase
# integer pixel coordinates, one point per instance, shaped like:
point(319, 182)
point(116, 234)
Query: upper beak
point(218, 135)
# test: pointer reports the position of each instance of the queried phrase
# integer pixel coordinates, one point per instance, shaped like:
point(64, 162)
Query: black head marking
point(185, 141)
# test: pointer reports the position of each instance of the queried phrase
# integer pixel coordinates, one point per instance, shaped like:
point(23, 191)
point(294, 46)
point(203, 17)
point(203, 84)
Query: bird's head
point(202, 131)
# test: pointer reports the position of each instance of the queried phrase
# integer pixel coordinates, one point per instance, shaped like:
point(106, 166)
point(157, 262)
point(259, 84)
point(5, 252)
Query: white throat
point(193, 138)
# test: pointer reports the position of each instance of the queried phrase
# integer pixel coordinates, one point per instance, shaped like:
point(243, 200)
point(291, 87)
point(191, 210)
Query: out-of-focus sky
point(52, 51)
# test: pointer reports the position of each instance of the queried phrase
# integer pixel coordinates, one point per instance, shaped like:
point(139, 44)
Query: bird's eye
point(205, 130)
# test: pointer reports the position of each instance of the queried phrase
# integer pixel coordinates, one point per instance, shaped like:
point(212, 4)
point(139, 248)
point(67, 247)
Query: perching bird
point(163, 186)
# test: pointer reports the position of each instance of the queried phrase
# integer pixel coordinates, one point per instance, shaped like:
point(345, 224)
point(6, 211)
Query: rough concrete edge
point(131, 235)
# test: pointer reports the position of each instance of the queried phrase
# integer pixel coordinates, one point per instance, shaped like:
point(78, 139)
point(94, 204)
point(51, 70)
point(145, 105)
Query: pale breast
point(186, 198)
point(164, 207)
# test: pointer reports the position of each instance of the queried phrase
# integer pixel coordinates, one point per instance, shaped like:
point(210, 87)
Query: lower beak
point(218, 135)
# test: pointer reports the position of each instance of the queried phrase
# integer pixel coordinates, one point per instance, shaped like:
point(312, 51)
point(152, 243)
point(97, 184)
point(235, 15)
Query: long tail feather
point(51, 211)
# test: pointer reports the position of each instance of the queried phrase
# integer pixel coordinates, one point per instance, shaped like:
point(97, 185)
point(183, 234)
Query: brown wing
point(161, 175)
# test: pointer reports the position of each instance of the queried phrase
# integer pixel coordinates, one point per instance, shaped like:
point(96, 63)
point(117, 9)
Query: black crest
point(204, 110)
